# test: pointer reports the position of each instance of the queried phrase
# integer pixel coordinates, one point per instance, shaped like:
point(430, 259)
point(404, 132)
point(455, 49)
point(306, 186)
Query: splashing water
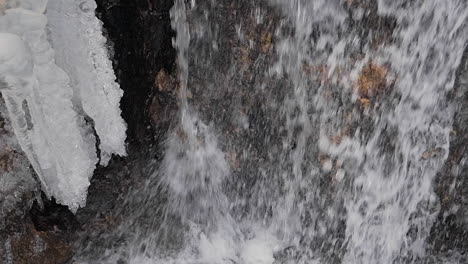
point(194, 167)
point(398, 200)
point(328, 126)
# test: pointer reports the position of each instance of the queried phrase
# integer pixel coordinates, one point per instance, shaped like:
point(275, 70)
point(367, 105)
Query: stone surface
point(37, 247)
point(450, 231)
point(140, 34)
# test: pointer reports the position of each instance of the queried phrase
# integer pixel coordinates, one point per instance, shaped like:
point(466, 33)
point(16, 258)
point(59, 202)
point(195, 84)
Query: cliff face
point(140, 36)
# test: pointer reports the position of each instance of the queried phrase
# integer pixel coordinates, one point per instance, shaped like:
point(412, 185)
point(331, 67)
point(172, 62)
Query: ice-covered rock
point(44, 105)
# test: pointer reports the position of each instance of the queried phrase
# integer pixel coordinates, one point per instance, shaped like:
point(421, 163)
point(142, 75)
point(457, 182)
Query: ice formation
point(44, 106)
point(90, 69)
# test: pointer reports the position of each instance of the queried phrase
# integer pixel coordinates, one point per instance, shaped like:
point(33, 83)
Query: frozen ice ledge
point(60, 91)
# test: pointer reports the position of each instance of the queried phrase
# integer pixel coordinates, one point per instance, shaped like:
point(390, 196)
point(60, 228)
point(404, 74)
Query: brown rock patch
point(372, 80)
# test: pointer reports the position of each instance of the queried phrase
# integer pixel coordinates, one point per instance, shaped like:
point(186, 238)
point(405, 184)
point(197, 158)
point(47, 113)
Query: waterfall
point(309, 136)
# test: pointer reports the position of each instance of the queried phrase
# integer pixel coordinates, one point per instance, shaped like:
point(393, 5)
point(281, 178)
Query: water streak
point(322, 149)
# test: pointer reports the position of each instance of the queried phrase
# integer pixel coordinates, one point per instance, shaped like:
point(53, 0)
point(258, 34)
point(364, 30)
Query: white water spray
point(348, 179)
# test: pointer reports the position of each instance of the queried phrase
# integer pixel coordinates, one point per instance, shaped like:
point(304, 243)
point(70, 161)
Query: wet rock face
point(233, 51)
point(450, 231)
point(140, 34)
point(37, 247)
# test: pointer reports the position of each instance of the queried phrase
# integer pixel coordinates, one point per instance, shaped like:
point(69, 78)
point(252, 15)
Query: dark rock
point(140, 35)
point(34, 246)
point(450, 231)
point(51, 216)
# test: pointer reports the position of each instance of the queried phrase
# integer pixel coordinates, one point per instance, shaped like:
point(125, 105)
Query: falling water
point(326, 128)
point(193, 169)
point(393, 196)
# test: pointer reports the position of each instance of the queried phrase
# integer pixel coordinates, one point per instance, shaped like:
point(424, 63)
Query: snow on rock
point(43, 107)
point(80, 49)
